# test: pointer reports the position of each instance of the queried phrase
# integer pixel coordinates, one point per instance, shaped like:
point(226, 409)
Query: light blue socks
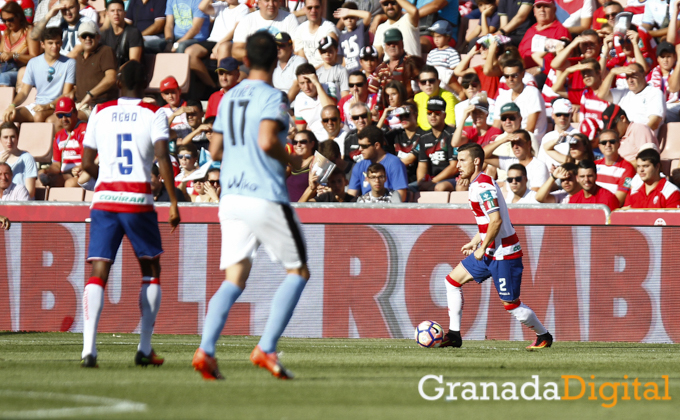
point(283, 305)
point(218, 310)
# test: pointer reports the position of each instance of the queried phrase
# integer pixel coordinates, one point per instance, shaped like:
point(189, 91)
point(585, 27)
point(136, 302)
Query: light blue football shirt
point(246, 168)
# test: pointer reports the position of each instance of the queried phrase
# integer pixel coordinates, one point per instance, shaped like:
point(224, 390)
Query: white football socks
point(454, 298)
point(149, 304)
point(93, 302)
point(527, 316)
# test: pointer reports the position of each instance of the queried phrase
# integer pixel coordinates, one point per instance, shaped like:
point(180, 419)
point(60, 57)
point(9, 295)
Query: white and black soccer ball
point(429, 334)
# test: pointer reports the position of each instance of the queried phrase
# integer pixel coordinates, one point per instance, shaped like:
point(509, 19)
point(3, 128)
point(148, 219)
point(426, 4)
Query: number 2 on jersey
point(241, 107)
point(124, 168)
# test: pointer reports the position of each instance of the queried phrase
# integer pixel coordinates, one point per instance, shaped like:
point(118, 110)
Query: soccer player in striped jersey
point(494, 252)
point(127, 134)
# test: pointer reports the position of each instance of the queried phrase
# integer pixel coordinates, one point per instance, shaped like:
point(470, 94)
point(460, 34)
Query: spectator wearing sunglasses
point(358, 92)
point(361, 117)
point(284, 78)
point(304, 145)
point(527, 98)
point(429, 86)
point(613, 171)
point(95, 71)
point(518, 193)
point(436, 159)
point(187, 155)
point(472, 87)
point(606, 13)
point(67, 148)
point(27, 10)
point(17, 47)
point(52, 74)
point(335, 129)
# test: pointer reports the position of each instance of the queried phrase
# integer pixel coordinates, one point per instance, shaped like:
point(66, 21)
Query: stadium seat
point(65, 194)
point(459, 197)
point(169, 64)
point(36, 139)
point(666, 166)
point(88, 196)
point(669, 139)
point(433, 197)
point(6, 96)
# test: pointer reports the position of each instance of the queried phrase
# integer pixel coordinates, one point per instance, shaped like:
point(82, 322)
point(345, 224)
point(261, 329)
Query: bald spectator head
point(330, 118)
point(361, 115)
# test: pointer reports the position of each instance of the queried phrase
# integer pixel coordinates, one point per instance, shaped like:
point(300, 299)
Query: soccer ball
point(429, 334)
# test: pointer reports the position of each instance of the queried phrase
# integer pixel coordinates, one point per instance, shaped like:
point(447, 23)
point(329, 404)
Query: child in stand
point(444, 57)
point(330, 73)
point(355, 36)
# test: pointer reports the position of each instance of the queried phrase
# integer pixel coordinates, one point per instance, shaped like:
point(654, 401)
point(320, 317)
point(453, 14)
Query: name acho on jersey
point(485, 198)
point(124, 132)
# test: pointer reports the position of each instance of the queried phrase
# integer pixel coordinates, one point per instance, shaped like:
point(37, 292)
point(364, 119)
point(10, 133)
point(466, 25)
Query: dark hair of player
point(305, 69)
point(133, 76)
point(375, 168)
point(373, 134)
point(587, 164)
point(651, 156)
point(358, 73)
point(518, 167)
point(51, 33)
point(475, 150)
point(261, 51)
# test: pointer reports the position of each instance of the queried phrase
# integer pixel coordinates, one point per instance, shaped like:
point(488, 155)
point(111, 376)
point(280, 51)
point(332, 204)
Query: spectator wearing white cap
point(331, 73)
point(96, 70)
point(284, 78)
point(407, 23)
point(443, 57)
point(562, 114)
point(309, 34)
point(354, 37)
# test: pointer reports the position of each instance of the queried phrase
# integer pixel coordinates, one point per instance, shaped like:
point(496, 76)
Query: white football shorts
point(247, 222)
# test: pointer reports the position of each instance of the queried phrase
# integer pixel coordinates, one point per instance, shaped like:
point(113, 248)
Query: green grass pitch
point(353, 379)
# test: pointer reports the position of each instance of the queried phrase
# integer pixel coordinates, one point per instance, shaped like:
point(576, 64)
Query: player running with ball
point(249, 135)
point(499, 256)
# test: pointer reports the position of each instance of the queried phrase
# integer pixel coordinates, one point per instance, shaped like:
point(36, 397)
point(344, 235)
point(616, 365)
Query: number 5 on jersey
point(124, 168)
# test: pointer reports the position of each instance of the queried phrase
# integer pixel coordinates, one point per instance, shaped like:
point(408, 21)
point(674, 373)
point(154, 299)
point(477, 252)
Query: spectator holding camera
point(377, 177)
point(591, 193)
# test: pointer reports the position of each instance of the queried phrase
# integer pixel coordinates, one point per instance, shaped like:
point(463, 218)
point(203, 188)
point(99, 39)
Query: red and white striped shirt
point(124, 132)
point(485, 198)
point(68, 147)
point(592, 106)
point(616, 177)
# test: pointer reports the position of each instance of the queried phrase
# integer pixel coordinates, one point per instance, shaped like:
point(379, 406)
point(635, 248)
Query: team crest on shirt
point(488, 200)
point(627, 182)
point(656, 200)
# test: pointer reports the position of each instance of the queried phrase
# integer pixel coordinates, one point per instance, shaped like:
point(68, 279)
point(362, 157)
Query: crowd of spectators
point(567, 98)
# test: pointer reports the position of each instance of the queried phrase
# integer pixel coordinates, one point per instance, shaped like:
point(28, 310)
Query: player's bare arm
point(470, 247)
point(161, 152)
point(270, 144)
point(494, 227)
point(89, 164)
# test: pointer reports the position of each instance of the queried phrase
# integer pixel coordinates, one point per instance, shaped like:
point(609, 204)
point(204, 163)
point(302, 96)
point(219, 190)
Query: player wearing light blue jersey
point(249, 135)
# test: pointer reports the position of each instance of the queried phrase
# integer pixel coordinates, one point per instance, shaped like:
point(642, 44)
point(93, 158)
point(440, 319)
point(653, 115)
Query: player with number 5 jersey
point(249, 135)
point(128, 135)
point(494, 252)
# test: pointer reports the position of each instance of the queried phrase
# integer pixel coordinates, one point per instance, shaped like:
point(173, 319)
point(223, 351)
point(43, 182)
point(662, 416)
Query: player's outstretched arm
point(88, 162)
point(160, 149)
point(268, 141)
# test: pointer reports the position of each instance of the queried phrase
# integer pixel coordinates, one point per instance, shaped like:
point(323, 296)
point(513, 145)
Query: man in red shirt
point(655, 192)
point(613, 172)
point(227, 75)
point(67, 150)
point(591, 193)
point(547, 26)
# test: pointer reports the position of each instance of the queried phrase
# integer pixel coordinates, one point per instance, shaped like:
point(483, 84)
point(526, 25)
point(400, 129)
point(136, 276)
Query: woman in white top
point(23, 165)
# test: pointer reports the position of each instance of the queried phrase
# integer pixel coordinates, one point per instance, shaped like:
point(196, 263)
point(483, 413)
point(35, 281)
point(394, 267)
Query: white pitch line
point(104, 405)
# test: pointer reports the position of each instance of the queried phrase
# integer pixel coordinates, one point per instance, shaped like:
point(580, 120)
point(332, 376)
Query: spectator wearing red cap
point(175, 109)
point(655, 191)
point(591, 193)
point(95, 71)
point(633, 135)
point(227, 75)
point(67, 149)
point(125, 40)
point(17, 47)
point(547, 27)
